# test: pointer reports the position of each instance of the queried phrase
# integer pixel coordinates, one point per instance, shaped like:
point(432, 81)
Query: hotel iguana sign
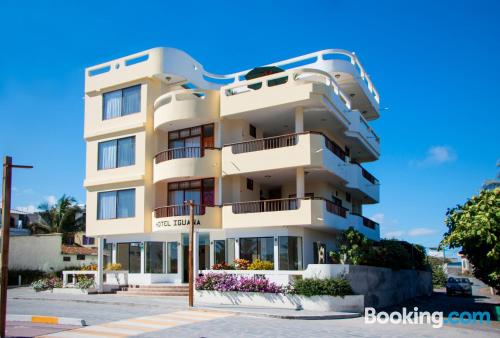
point(175, 223)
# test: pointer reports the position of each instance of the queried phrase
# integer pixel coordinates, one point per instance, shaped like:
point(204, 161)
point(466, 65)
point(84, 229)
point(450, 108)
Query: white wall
point(41, 252)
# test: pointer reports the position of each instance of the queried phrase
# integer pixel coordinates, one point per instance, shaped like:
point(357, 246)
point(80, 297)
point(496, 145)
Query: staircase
point(155, 290)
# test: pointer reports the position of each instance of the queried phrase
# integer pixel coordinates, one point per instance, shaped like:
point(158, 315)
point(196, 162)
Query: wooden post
point(6, 192)
point(4, 269)
point(190, 260)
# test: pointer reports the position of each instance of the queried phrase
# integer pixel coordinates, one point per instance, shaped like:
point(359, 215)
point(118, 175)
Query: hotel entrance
point(203, 253)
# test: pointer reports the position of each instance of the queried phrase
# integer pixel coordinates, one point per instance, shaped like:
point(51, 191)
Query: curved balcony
point(316, 213)
point(366, 184)
point(175, 217)
point(189, 162)
point(185, 108)
point(309, 149)
point(366, 226)
point(275, 97)
point(365, 143)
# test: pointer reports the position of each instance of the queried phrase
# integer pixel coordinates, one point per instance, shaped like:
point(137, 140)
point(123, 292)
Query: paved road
point(166, 317)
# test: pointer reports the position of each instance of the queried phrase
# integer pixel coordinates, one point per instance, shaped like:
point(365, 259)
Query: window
point(220, 251)
point(116, 204)
point(257, 248)
point(153, 256)
point(129, 256)
point(80, 257)
point(200, 191)
point(290, 253)
point(348, 197)
point(224, 251)
point(203, 251)
point(190, 142)
point(88, 240)
point(66, 259)
point(253, 131)
point(121, 102)
point(172, 257)
point(116, 153)
point(250, 184)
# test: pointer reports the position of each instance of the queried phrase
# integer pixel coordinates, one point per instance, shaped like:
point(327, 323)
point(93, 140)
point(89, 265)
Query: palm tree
point(63, 217)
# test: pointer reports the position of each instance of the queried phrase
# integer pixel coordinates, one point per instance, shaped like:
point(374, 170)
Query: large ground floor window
point(129, 256)
point(290, 253)
point(224, 251)
point(253, 248)
point(153, 257)
point(172, 257)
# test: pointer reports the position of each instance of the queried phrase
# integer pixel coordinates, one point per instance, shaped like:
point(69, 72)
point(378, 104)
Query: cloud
point(436, 155)
point(415, 232)
point(29, 208)
point(421, 232)
point(394, 234)
point(51, 200)
point(378, 217)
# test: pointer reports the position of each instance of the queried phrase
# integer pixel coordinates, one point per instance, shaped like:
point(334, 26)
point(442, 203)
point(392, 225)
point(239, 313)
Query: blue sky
point(435, 64)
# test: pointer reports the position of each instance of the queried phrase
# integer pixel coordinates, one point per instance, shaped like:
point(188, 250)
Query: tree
point(64, 216)
point(475, 226)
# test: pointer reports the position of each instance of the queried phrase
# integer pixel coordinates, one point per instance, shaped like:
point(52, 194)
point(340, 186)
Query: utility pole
point(190, 259)
point(6, 196)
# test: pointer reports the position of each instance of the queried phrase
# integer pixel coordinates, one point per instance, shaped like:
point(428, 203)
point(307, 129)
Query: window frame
point(129, 245)
point(200, 187)
point(80, 257)
point(300, 261)
point(259, 246)
point(116, 205)
point(117, 159)
point(146, 250)
point(139, 86)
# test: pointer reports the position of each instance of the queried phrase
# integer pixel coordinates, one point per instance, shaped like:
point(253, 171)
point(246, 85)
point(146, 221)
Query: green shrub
point(261, 265)
point(85, 282)
point(322, 287)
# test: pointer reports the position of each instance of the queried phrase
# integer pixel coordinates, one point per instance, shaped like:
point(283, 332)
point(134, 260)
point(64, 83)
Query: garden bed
point(352, 303)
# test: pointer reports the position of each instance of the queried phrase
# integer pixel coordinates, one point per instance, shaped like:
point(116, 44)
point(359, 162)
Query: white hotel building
point(272, 157)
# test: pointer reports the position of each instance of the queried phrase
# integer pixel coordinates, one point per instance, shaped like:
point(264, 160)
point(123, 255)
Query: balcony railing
point(179, 210)
point(334, 208)
point(175, 153)
point(281, 141)
point(266, 206)
point(366, 174)
point(273, 142)
point(367, 222)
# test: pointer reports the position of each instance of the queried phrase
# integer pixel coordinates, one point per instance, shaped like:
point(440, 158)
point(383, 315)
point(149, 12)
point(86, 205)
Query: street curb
point(339, 315)
point(46, 320)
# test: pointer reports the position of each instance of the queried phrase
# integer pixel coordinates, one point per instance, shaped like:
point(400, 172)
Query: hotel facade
point(271, 156)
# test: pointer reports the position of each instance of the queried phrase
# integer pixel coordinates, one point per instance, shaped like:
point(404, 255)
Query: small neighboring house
point(20, 221)
point(466, 265)
point(48, 253)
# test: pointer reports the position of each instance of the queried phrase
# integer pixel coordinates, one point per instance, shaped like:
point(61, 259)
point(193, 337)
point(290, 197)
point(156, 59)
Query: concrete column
point(300, 182)
point(100, 262)
point(299, 119)
point(276, 253)
point(196, 255)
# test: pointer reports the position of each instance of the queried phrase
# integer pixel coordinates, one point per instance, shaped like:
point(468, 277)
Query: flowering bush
point(222, 266)
point(113, 266)
point(261, 265)
point(90, 267)
point(85, 282)
point(47, 283)
point(241, 264)
point(226, 282)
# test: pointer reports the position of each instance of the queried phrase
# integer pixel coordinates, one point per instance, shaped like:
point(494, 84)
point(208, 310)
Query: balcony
point(364, 143)
point(175, 217)
point(274, 98)
point(314, 213)
point(364, 183)
point(311, 150)
point(185, 108)
point(366, 226)
point(188, 162)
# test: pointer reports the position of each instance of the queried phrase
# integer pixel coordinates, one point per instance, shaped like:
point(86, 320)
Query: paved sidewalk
point(275, 312)
point(29, 329)
point(141, 325)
